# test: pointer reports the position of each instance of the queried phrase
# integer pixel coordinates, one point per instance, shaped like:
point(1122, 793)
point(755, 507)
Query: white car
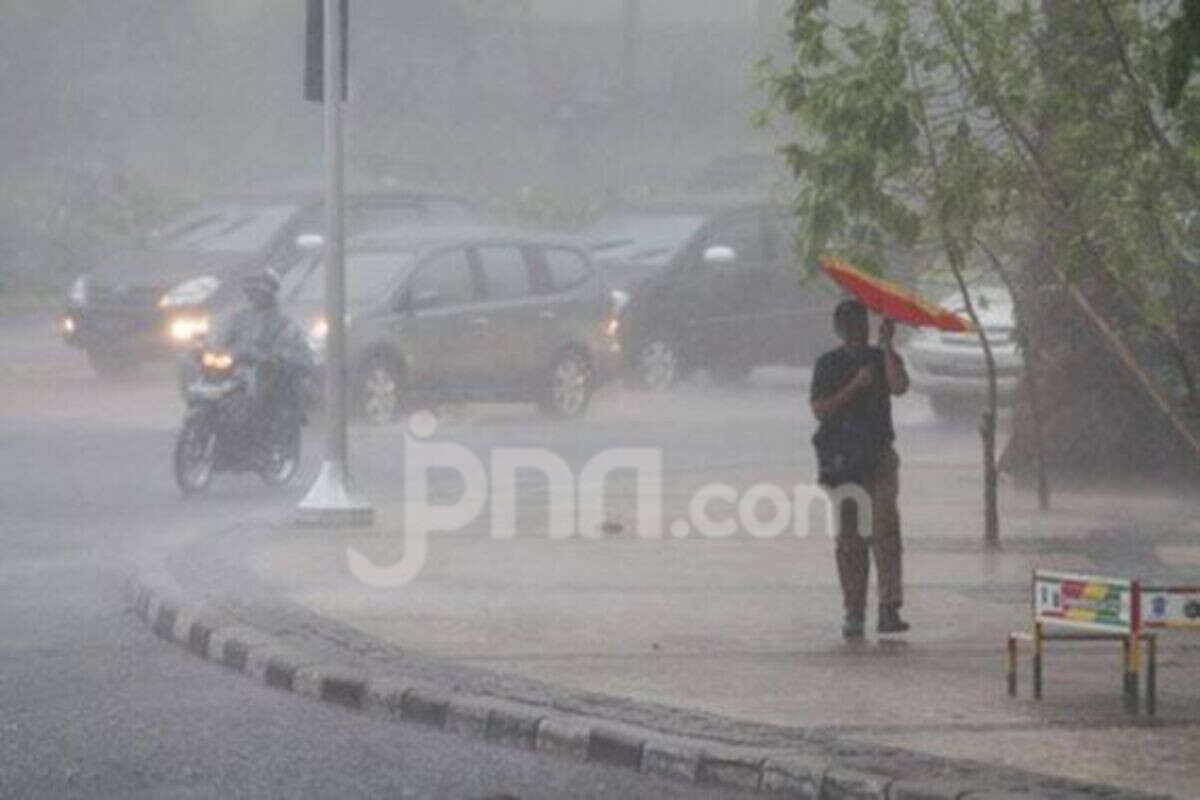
point(950, 368)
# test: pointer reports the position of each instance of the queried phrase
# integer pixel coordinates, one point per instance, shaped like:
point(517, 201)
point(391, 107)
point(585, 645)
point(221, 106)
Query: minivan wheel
point(569, 386)
point(379, 391)
point(657, 364)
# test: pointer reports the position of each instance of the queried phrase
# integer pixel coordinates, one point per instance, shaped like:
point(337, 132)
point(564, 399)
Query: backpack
point(846, 453)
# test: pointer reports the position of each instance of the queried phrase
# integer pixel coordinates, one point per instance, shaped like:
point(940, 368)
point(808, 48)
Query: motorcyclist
point(273, 347)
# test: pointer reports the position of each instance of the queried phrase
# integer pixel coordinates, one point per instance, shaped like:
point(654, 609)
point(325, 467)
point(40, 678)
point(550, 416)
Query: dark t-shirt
point(871, 408)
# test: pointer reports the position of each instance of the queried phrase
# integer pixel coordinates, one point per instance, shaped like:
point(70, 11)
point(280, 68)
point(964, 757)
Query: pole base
point(332, 501)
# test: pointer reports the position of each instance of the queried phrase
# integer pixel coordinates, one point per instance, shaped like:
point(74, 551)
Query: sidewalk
point(745, 629)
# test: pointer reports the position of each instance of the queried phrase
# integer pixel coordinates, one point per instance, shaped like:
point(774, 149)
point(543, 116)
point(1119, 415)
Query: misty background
point(119, 113)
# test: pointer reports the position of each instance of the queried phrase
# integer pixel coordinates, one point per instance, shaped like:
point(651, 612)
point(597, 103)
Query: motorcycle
point(220, 432)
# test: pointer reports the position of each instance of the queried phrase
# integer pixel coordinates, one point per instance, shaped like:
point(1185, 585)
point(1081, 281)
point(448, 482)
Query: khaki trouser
point(883, 485)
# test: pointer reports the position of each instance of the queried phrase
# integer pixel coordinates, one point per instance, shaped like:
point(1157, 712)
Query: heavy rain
point(624, 398)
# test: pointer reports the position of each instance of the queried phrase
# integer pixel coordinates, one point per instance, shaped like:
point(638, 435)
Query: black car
point(711, 287)
point(465, 313)
point(143, 303)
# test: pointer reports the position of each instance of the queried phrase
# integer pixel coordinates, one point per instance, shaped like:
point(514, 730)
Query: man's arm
point(893, 365)
point(229, 333)
point(292, 346)
point(895, 371)
point(826, 406)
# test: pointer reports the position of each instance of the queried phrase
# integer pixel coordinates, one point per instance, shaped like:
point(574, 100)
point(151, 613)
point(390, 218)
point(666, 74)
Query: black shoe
point(852, 626)
point(890, 622)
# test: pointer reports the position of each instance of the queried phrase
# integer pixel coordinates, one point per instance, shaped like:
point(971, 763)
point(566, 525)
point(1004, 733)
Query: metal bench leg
point(1037, 661)
point(1012, 665)
point(1132, 679)
point(1152, 675)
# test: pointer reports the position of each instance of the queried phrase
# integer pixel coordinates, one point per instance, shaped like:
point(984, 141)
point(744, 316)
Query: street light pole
point(332, 499)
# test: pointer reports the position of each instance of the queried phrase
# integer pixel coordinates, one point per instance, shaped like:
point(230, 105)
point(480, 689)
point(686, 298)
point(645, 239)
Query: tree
point(1032, 140)
point(891, 152)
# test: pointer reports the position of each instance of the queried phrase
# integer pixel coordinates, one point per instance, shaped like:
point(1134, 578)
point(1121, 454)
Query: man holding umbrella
point(851, 394)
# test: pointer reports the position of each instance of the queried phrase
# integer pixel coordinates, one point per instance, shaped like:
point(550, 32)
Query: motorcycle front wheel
point(195, 454)
point(283, 458)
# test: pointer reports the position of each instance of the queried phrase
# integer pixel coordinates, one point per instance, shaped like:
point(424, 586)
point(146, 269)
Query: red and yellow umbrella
point(890, 300)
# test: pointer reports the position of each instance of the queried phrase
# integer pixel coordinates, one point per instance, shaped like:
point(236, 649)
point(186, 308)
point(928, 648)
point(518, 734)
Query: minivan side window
point(505, 273)
point(446, 276)
point(565, 268)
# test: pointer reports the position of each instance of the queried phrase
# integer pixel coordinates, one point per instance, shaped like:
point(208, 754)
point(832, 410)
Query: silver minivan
point(466, 314)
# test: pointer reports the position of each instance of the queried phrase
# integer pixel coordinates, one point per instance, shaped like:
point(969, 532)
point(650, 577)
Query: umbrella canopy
point(891, 301)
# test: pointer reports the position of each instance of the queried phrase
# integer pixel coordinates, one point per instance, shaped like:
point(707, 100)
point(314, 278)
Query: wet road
point(94, 705)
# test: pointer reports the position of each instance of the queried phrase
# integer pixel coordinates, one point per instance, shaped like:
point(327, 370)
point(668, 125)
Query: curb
point(157, 601)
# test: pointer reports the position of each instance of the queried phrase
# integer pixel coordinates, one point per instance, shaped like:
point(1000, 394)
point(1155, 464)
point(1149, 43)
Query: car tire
point(379, 390)
point(568, 386)
point(657, 365)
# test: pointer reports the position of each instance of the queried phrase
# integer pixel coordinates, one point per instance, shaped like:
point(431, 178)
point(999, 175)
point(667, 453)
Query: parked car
point(711, 286)
point(145, 303)
point(632, 246)
point(950, 368)
point(464, 314)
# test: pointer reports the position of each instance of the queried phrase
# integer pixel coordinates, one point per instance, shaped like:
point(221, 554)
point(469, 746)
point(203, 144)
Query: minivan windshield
point(233, 228)
point(650, 240)
point(369, 277)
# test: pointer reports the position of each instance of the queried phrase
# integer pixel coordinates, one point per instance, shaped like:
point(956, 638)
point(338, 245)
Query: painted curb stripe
point(342, 691)
point(240, 649)
point(423, 709)
point(616, 749)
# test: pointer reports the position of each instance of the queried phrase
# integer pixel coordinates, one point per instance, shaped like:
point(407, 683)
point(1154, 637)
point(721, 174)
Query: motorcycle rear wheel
point(195, 455)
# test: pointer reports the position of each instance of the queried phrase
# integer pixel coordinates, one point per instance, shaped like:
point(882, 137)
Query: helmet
point(265, 281)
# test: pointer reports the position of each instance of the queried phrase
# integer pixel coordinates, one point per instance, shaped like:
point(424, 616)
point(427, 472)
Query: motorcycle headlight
point(190, 293)
point(216, 361)
point(78, 293)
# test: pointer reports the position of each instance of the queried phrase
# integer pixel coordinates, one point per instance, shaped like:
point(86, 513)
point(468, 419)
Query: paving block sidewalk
point(743, 628)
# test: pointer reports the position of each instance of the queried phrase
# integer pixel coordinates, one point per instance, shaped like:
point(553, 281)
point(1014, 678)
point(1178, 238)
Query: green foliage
point(1049, 141)
point(954, 121)
point(1183, 35)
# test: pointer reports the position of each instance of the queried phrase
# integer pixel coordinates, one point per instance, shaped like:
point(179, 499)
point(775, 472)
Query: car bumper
point(955, 374)
point(961, 387)
point(148, 334)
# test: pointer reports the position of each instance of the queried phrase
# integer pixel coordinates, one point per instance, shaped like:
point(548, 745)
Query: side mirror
point(719, 255)
point(310, 241)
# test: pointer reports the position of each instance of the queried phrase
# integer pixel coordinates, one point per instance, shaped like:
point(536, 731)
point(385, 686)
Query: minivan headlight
point(317, 333)
point(184, 329)
point(190, 293)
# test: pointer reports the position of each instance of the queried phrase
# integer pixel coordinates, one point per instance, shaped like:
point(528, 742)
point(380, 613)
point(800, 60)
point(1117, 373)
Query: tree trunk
point(1032, 366)
point(987, 422)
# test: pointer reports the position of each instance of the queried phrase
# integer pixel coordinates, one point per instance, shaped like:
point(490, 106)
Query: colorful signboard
point(1087, 602)
point(1096, 603)
point(1171, 606)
